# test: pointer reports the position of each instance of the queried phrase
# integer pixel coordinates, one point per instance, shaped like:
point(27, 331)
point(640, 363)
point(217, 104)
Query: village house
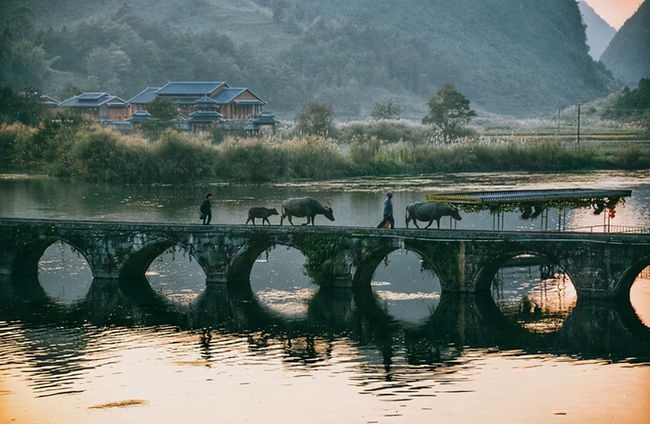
point(200, 105)
point(97, 106)
point(48, 102)
point(238, 103)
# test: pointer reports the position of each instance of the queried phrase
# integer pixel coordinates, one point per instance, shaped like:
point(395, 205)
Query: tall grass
point(97, 154)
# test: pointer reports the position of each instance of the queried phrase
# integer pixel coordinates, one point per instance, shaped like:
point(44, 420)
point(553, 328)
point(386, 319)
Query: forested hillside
point(514, 57)
point(599, 33)
point(628, 55)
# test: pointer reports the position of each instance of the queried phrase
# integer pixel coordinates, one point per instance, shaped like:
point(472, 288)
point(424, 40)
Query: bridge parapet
point(600, 265)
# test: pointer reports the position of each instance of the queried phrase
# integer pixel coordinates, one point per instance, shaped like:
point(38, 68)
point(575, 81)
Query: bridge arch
point(624, 284)
point(373, 257)
point(326, 255)
point(26, 261)
point(241, 264)
point(485, 275)
point(138, 262)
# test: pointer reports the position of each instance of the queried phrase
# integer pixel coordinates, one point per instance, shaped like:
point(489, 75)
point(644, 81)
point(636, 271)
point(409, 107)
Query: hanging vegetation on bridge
point(532, 202)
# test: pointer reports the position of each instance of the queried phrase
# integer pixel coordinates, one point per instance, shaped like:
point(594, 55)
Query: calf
point(260, 212)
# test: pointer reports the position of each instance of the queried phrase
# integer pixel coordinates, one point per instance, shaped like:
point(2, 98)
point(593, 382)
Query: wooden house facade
point(236, 103)
point(97, 106)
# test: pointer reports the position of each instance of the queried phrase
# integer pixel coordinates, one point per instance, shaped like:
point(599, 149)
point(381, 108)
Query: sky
point(615, 12)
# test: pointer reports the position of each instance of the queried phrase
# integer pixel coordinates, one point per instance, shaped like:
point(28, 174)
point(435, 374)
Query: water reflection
point(63, 273)
point(57, 343)
point(640, 296)
point(176, 275)
point(533, 292)
point(279, 281)
point(409, 290)
point(126, 335)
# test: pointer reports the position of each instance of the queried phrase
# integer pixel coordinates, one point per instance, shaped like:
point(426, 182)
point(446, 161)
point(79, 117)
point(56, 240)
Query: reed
point(98, 154)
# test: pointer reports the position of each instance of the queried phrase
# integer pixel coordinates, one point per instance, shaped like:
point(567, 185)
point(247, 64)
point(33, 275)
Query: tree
point(645, 123)
point(23, 106)
point(315, 118)
point(387, 110)
point(107, 65)
point(449, 112)
point(163, 115)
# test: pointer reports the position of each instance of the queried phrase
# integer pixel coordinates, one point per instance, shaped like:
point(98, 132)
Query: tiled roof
point(48, 101)
point(230, 94)
point(225, 96)
point(139, 116)
point(205, 116)
point(266, 118)
point(91, 96)
point(205, 100)
point(93, 99)
point(147, 95)
point(190, 88)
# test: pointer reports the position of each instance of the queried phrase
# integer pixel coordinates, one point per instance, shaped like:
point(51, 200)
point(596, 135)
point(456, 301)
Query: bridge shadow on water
point(593, 330)
point(58, 342)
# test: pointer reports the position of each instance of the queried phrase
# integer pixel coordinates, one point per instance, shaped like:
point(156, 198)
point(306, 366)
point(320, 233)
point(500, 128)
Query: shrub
point(98, 156)
point(314, 157)
point(14, 139)
point(250, 161)
point(180, 160)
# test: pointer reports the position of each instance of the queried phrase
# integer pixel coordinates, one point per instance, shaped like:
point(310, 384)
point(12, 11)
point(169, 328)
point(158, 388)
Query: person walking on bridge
point(388, 221)
point(206, 209)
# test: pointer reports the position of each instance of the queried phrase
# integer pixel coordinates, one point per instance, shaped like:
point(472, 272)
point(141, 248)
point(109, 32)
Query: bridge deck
point(411, 233)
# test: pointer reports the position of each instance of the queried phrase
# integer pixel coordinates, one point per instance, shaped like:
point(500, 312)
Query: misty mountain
point(599, 32)
point(628, 54)
point(512, 57)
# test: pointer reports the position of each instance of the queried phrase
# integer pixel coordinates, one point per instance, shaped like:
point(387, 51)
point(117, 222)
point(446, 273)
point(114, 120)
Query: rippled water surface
point(167, 349)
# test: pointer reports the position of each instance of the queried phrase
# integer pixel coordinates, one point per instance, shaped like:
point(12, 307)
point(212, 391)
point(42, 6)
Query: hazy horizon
point(616, 12)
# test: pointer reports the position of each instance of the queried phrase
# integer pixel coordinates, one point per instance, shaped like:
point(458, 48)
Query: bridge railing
point(608, 228)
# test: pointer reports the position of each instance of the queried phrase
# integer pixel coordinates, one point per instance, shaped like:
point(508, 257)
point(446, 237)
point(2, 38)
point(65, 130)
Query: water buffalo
point(304, 206)
point(261, 212)
point(429, 211)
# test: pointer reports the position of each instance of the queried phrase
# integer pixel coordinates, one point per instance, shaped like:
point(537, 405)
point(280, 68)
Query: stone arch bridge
point(600, 265)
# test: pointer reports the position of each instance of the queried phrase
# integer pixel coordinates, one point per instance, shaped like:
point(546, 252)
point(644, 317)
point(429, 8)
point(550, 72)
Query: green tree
point(632, 103)
point(107, 65)
point(23, 106)
point(449, 112)
point(315, 118)
point(645, 123)
point(163, 116)
point(388, 110)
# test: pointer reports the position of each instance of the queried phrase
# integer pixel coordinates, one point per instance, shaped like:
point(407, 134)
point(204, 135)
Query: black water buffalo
point(429, 211)
point(304, 207)
point(261, 212)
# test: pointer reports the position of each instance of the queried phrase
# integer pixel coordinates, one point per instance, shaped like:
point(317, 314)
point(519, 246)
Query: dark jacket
point(206, 207)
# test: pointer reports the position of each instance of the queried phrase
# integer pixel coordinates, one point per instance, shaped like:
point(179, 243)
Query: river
point(167, 349)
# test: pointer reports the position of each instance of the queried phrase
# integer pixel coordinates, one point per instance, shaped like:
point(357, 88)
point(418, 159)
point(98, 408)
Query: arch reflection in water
point(640, 296)
point(176, 275)
point(64, 274)
point(534, 293)
point(279, 281)
point(408, 286)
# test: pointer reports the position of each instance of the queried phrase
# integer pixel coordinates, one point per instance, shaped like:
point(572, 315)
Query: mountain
point(628, 54)
point(510, 57)
point(599, 33)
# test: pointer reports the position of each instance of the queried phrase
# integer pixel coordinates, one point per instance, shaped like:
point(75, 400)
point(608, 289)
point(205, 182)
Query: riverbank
point(100, 155)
